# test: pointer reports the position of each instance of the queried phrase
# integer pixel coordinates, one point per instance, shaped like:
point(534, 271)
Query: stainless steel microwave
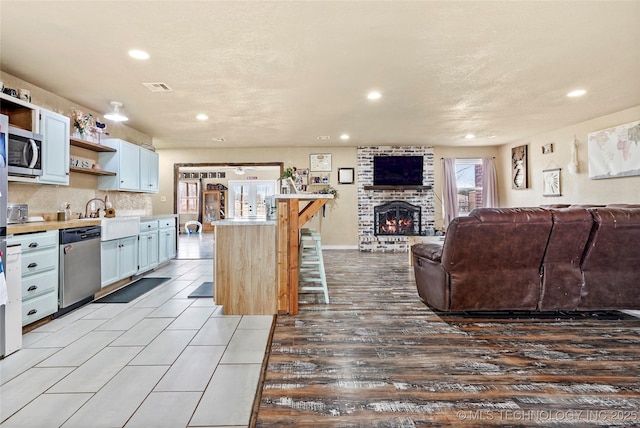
point(24, 153)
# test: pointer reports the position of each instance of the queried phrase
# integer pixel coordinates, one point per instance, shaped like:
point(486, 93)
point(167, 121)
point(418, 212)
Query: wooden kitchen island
point(244, 266)
point(256, 261)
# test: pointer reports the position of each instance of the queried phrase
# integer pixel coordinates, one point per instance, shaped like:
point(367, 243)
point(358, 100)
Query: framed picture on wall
point(551, 182)
point(320, 162)
point(519, 173)
point(345, 175)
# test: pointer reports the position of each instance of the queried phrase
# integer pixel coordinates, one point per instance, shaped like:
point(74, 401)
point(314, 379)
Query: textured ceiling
point(284, 73)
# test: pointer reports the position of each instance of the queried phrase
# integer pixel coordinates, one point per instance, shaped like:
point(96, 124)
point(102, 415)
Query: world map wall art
point(615, 152)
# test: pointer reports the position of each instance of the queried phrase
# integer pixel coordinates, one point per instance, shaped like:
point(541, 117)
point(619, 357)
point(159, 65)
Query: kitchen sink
point(119, 227)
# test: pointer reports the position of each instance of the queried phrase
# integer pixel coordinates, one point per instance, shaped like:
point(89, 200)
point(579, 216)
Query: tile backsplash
point(46, 200)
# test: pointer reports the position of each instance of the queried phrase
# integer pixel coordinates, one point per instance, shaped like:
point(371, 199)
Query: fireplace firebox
point(397, 218)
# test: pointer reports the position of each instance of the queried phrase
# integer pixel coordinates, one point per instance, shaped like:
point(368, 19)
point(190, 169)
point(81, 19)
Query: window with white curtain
point(469, 183)
point(188, 197)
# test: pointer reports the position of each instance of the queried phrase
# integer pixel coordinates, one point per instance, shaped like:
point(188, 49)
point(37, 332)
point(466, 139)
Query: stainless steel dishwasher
point(79, 264)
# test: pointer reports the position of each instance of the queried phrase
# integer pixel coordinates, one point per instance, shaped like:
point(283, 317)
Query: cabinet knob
point(32, 288)
point(33, 245)
point(32, 265)
point(32, 312)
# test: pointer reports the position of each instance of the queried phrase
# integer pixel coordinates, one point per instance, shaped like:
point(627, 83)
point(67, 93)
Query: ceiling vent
point(157, 87)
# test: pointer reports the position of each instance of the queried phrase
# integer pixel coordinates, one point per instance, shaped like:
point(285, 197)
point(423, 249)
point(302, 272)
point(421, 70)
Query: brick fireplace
point(369, 238)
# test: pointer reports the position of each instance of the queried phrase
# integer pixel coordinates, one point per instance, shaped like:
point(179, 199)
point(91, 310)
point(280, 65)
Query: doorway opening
point(202, 193)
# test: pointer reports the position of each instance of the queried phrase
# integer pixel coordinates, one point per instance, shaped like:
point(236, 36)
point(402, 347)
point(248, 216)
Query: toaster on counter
point(17, 213)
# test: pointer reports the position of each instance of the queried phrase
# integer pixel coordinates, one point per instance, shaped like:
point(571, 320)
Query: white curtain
point(449, 191)
point(489, 183)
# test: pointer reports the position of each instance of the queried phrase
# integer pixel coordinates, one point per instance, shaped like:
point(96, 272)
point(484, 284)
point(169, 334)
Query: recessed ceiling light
point(374, 95)
point(344, 137)
point(492, 136)
point(202, 116)
point(218, 139)
point(324, 137)
point(577, 93)
point(138, 54)
point(469, 136)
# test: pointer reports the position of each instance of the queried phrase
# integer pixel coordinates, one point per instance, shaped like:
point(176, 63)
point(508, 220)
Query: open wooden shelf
point(90, 171)
point(90, 146)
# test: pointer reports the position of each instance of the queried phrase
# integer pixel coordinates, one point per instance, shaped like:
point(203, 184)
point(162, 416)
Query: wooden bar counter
point(245, 277)
point(256, 261)
point(290, 219)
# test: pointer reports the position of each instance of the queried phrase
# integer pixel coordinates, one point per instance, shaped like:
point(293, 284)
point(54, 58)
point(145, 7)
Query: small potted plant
point(286, 180)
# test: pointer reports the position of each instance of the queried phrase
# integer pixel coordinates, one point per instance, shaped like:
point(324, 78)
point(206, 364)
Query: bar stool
point(311, 276)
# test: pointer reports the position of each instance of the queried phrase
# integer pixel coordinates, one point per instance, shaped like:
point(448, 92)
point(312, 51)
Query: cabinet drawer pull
point(32, 288)
point(33, 245)
point(32, 312)
point(32, 265)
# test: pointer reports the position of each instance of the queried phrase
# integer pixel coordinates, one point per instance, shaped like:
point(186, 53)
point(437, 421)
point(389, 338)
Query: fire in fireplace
point(397, 218)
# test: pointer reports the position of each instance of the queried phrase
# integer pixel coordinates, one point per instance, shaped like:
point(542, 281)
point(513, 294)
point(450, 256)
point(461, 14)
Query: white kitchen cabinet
point(118, 259)
point(55, 148)
point(148, 247)
point(39, 274)
point(125, 162)
point(166, 239)
point(149, 170)
point(136, 168)
point(55, 129)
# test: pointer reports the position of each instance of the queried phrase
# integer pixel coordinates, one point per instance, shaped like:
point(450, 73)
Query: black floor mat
point(132, 291)
point(204, 290)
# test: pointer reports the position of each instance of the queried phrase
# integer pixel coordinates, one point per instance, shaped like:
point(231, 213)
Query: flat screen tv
point(397, 170)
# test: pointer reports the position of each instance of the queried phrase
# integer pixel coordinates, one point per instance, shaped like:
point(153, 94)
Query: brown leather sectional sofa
point(556, 258)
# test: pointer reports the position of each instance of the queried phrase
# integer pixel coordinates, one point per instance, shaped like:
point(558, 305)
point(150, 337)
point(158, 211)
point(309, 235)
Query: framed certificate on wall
point(320, 162)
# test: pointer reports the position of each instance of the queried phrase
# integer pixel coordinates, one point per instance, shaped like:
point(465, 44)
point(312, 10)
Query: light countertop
point(244, 222)
point(43, 226)
point(304, 196)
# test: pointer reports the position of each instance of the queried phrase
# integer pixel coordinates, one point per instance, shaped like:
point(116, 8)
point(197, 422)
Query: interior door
point(247, 197)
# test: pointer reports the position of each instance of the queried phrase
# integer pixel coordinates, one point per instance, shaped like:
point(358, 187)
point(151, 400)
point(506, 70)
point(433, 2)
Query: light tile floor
point(163, 360)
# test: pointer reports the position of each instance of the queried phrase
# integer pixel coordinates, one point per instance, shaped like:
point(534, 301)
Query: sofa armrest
point(431, 251)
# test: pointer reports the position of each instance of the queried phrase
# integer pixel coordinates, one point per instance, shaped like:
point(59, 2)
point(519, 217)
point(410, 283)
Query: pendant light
point(115, 115)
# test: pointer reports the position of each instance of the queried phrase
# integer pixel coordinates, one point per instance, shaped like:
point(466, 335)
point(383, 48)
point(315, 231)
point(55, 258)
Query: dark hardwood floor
point(376, 356)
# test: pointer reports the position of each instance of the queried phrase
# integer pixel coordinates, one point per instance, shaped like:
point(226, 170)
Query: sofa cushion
point(494, 256)
point(610, 263)
point(561, 274)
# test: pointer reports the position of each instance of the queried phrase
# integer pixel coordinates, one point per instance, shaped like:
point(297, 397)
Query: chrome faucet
point(96, 213)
